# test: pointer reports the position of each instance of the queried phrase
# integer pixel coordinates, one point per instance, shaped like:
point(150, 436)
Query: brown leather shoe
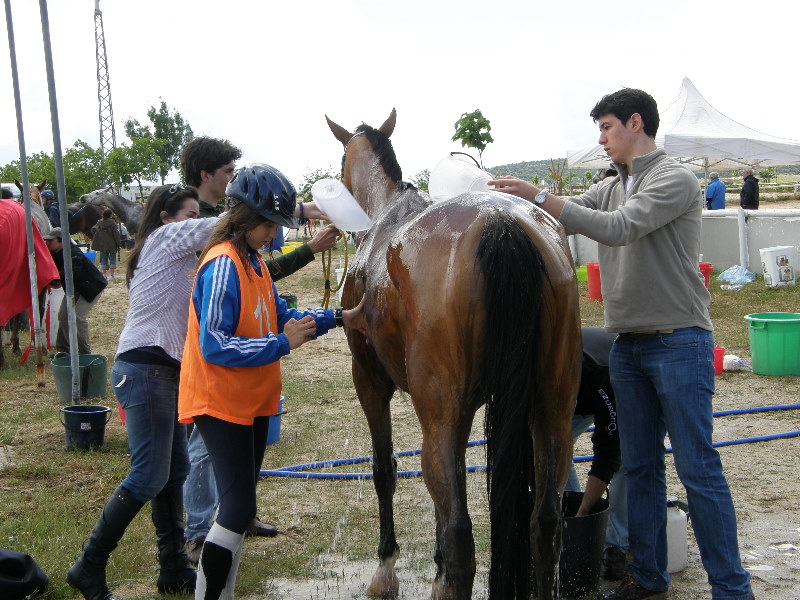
point(259, 529)
point(630, 589)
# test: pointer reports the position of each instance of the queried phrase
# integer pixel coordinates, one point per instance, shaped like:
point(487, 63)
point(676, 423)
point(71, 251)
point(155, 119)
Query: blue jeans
point(200, 497)
point(108, 259)
point(157, 442)
point(663, 385)
point(617, 528)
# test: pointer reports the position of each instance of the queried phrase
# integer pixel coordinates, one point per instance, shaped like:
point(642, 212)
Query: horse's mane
point(383, 150)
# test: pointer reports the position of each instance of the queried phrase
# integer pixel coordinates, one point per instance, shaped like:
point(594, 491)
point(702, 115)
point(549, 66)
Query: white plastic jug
point(677, 542)
point(454, 175)
point(335, 200)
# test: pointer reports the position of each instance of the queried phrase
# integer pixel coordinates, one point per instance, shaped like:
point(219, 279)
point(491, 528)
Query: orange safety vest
point(234, 394)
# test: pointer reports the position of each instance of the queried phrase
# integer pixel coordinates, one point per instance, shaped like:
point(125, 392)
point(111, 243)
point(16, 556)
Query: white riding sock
point(230, 541)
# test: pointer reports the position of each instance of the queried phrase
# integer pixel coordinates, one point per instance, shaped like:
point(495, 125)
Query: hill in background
point(527, 170)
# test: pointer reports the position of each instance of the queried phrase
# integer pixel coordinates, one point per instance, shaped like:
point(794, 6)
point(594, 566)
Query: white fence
point(724, 240)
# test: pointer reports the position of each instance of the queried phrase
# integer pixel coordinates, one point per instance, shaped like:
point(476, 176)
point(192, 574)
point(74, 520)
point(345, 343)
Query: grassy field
point(52, 497)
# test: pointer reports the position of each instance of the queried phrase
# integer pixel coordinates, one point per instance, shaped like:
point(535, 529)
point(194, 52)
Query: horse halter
point(344, 154)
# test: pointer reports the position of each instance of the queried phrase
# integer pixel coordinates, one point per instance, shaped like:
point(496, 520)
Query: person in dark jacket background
point(89, 284)
point(748, 197)
point(107, 241)
point(51, 208)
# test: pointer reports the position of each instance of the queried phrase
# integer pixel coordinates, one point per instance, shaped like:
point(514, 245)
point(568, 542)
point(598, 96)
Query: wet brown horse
point(469, 302)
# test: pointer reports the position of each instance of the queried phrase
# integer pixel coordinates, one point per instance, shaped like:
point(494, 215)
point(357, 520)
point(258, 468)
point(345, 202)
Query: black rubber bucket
point(291, 299)
point(582, 543)
point(84, 425)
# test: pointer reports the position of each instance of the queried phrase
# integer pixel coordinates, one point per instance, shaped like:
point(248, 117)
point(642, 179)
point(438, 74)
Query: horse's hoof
point(385, 583)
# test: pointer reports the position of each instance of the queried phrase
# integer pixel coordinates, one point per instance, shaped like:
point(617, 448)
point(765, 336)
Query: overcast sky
point(264, 74)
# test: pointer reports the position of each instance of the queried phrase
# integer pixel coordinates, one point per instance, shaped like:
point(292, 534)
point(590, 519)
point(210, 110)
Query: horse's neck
point(121, 205)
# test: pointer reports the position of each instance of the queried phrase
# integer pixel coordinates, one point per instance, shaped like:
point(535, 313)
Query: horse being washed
point(470, 301)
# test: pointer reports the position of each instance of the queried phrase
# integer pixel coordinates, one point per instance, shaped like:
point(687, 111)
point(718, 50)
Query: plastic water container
point(336, 201)
point(339, 277)
point(274, 424)
point(779, 264)
point(706, 268)
point(775, 343)
point(594, 281)
point(719, 355)
point(677, 539)
point(457, 174)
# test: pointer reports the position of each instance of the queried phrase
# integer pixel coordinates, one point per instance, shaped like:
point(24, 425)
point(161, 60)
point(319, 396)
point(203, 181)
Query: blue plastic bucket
point(274, 427)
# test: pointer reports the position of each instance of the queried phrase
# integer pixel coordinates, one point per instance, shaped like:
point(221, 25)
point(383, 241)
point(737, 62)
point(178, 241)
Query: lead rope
point(327, 260)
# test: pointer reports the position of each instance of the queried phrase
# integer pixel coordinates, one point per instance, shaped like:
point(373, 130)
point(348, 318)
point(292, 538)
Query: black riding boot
point(88, 574)
point(176, 575)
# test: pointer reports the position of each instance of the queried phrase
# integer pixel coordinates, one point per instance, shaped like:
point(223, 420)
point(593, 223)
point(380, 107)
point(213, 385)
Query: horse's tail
point(514, 276)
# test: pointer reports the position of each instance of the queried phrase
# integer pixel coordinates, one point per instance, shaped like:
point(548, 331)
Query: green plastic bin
point(92, 374)
point(775, 343)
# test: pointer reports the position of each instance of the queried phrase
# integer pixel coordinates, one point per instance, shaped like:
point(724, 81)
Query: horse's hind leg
point(375, 395)
point(552, 440)
point(444, 471)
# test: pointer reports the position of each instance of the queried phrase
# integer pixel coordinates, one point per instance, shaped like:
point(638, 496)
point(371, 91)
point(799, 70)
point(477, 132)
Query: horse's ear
point(388, 126)
point(42, 185)
point(339, 132)
point(18, 184)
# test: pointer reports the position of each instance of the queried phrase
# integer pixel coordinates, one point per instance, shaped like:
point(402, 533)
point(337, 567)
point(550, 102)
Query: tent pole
point(66, 240)
point(38, 331)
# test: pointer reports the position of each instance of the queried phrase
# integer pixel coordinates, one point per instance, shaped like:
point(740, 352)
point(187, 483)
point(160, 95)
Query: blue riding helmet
point(48, 194)
point(267, 191)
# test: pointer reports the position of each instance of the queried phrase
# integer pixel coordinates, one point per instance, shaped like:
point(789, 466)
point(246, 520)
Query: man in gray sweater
point(647, 223)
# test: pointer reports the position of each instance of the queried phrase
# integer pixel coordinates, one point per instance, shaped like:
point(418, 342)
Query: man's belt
point(651, 332)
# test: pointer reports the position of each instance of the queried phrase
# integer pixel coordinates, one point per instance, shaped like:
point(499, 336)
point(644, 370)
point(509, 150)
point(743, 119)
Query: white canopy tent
point(697, 134)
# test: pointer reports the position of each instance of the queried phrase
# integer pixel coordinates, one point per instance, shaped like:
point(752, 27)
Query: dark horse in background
point(469, 302)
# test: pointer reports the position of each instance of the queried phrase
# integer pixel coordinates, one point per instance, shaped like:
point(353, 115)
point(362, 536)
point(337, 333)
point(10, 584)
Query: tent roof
point(696, 133)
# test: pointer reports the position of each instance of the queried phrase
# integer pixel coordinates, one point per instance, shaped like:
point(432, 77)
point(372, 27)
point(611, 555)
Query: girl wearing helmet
point(239, 328)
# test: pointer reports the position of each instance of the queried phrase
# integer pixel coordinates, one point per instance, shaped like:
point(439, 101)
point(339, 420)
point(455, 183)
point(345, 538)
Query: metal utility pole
point(108, 139)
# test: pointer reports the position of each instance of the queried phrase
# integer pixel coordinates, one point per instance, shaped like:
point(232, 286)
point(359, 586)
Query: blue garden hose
point(302, 471)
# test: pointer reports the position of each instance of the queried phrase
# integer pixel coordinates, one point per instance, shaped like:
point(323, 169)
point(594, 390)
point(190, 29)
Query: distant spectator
point(89, 284)
point(107, 242)
point(715, 192)
point(748, 197)
point(51, 208)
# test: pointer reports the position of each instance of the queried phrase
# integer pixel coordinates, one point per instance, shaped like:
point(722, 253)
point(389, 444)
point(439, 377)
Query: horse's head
point(35, 191)
point(94, 196)
point(369, 164)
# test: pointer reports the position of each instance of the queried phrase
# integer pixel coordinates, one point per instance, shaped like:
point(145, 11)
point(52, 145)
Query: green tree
point(167, 127)
point(472, 130)
point(84, 169)
point(138, 162)
point(768, 174)
point(41, 167)
point(421, 179)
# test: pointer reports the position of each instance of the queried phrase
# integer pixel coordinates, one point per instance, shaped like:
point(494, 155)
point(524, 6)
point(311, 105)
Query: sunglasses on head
point(174, 190)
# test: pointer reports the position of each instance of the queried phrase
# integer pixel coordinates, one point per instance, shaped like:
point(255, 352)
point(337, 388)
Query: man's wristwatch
point(337, 317)
point(540, 197)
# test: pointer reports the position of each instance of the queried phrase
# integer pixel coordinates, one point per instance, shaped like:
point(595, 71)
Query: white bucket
point(339, 277)
point(677, 542)
point(336, 201)
point(780, 266)
point(454, 175)
point(55, 297)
